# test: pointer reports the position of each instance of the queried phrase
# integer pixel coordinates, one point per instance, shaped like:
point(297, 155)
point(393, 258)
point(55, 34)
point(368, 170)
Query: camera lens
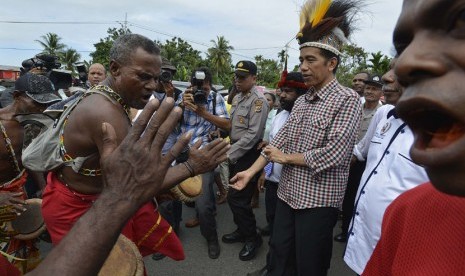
point(166, 76)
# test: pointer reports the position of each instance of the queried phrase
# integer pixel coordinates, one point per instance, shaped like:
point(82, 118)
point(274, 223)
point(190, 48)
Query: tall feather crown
point(327, 24)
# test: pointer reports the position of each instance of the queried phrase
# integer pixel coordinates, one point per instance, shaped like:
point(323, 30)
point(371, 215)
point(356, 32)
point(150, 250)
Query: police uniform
point(249, 113)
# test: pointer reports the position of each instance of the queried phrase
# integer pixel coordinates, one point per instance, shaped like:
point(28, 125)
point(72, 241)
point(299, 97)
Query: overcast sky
point(253, 27)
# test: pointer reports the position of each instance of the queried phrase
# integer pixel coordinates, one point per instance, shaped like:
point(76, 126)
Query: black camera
point(166, 76)
point(199, 94)
point(61, 79)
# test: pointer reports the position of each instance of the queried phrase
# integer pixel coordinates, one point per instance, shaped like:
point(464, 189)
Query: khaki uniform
point(248, 118)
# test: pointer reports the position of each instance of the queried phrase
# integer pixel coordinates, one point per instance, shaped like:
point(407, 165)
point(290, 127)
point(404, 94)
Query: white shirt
point(389, 172)
point(278, 122)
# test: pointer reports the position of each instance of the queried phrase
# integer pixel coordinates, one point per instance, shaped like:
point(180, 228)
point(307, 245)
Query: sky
point(253, 27)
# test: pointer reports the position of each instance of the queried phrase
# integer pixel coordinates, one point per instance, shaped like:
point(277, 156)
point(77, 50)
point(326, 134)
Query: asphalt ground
point(197, 261)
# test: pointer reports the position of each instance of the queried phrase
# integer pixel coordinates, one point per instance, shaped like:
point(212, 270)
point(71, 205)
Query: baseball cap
point(245, 68)
point(37, 87)
point(374, 80)
point(166, 65)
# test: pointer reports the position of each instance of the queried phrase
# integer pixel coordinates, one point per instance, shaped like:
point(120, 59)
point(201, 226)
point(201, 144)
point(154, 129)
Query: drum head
point(124, 260)
point(30, 224)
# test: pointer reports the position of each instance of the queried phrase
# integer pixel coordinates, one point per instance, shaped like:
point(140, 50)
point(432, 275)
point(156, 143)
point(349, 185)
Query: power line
point(61, 22)
point(26, 49)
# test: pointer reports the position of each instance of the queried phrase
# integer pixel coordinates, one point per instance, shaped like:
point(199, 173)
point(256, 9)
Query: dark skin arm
point(127, 185)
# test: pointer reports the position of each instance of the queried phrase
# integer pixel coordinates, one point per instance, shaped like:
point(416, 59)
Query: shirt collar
point(313, 94)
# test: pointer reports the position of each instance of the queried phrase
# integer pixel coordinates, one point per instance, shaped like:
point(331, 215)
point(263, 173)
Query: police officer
point(248, 117)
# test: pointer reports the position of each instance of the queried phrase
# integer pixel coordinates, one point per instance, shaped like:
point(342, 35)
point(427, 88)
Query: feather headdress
point(327, 24)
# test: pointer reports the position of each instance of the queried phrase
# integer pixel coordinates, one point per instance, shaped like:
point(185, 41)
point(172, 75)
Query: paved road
point(228, 264)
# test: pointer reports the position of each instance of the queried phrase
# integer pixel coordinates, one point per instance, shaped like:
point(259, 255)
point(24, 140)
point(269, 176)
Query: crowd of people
point(385, 155)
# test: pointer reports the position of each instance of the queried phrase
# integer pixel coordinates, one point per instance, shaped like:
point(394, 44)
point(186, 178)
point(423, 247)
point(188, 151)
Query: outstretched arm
point(127, 186)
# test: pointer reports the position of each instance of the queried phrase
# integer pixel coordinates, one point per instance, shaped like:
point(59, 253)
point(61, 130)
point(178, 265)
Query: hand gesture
point(135, 170)
point(207, 158)
point(13, 199)
point(240, 180)
point(273, 154)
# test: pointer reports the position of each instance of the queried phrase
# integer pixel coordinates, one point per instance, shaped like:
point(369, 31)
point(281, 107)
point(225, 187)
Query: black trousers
point(271, 197)
point(355, 174)
point(239, 201)
point(302, 240)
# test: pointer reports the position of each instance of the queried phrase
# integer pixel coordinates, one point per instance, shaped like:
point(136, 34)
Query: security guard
point(248, 117)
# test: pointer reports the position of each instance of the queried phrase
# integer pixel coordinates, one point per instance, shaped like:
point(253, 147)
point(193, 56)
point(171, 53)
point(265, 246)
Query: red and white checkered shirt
point(323, 125)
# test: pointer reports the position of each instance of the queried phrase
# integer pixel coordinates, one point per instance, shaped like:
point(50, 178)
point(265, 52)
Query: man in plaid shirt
point(314, 146)
point(203, 119)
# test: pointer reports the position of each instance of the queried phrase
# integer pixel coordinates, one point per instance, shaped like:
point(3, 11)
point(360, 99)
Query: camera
point(61, 79)
point(166, 76)
point(199, 94)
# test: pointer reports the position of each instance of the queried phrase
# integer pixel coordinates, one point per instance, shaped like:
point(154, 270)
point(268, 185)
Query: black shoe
point(233, 237)
point(250, 249)
point(341, 237)
point(265, 231)
point(213, 248)
point(158, 256)
point(261, 272)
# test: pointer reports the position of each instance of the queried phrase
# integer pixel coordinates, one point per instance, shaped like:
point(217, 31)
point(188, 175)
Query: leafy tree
point(219, 58)
point(282, 55)
point(181, 54)
point(269, 71)
point(51, 43)
point(102, 48)
point(68, 58)
point(379, 63)
point(353, 60)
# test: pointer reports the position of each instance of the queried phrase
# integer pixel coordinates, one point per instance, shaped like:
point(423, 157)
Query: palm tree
point(219, 56)
point(68, 58)
point(51, 44)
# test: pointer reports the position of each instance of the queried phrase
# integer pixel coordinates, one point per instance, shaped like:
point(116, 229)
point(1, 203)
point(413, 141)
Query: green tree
point(181, 54)
point(68, 58)
point(282, 55)
point(269, 71)
point(353, 60)
point(51, 43)
point(102, 48)
point(379, 63)
point(219, 58)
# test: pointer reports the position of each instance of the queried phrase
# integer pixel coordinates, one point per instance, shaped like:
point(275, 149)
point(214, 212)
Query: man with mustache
point(422, 232)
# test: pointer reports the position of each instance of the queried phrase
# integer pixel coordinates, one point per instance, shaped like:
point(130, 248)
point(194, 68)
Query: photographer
point(204, 112)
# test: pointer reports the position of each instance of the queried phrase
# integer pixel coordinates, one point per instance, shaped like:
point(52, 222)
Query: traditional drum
point(124, 260)
point(30, 224)
point(189, 189)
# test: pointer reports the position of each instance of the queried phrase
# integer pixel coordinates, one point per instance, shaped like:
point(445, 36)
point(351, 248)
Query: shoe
point(341, 237)
point(233, 237)
point(213, 248)
point(265, 231)
point(192, 223)
point(250, 248)
point(157, 256)
point(261, 272)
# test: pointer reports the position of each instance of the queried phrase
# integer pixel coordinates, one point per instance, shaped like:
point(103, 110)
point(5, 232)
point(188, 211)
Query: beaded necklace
point(93, 90)
point(10, 149)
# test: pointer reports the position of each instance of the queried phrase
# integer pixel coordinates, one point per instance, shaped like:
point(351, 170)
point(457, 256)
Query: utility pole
point(125, 25)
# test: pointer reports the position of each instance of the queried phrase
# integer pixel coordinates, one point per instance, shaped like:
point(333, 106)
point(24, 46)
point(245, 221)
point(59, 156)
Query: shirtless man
point(97, 74)
point(32, 94)
point(134, 69)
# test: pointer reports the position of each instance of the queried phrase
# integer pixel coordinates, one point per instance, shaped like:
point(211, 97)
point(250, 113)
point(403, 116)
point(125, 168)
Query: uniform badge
point(258, 106)
point(386, 127)
point(241, 120)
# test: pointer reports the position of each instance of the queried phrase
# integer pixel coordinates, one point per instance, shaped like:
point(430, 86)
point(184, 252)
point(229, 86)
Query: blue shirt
point(200, 126)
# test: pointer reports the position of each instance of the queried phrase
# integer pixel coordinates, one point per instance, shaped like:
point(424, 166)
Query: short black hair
point(329, 55)
point(272, 96)
point(125, 45)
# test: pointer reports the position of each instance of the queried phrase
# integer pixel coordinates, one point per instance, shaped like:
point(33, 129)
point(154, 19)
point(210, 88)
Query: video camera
point(61, 79)
point(166, 76)
point(199, 94)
